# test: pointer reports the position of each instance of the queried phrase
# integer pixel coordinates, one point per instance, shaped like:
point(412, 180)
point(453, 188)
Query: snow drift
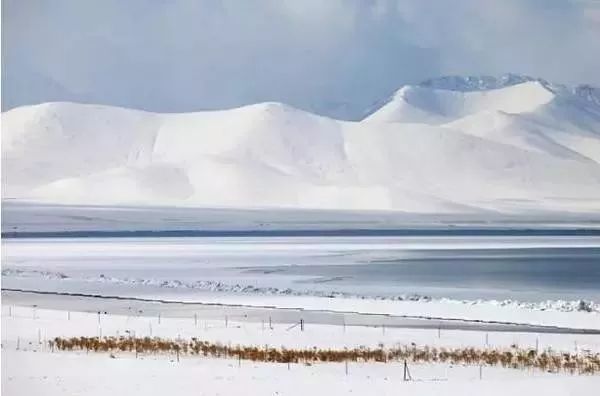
point(444, 146)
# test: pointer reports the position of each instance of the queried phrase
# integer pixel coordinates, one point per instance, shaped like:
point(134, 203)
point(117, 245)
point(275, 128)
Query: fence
point(512, 358)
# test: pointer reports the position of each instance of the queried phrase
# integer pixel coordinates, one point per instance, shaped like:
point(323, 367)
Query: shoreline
point(321, 316)
point(450, 231)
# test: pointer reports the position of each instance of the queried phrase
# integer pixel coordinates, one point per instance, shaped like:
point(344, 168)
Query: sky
point(334, 57)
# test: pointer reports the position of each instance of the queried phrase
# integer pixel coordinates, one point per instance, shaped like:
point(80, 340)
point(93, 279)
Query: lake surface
point(527, 268)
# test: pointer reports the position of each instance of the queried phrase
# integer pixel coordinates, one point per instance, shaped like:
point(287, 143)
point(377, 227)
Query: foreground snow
point(33, 369)
point(77, 374)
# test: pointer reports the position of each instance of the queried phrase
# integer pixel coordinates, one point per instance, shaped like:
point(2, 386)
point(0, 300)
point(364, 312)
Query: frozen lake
point(526, 268)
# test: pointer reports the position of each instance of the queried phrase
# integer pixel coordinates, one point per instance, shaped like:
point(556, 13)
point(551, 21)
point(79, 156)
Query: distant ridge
point(460, 83)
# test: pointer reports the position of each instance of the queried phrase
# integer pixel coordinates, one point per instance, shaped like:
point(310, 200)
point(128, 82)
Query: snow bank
point(578, 314)
point(223, 287)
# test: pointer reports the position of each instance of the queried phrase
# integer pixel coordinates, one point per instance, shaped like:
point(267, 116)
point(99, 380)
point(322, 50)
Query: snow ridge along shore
point(182, 286)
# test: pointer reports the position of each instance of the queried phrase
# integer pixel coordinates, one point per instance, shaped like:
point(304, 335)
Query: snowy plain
point(77, 374)
point(29, 366)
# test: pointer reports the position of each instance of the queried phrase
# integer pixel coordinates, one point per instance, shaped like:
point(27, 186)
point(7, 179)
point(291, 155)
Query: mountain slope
point(436, 106)
point(517, 148)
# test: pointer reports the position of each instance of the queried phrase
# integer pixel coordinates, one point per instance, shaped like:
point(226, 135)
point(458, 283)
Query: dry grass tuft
point(514, 357)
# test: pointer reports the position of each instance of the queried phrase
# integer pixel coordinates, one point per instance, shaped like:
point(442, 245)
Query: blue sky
point(334, 57)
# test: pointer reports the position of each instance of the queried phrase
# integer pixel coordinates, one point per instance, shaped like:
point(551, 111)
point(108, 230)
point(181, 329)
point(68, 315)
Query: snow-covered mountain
point(448, 145)
point(486, 83)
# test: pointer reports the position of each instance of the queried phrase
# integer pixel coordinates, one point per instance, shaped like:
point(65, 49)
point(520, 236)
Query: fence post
point(346, 362)
point(270, 324)
point(301, 324)
point(480, 371)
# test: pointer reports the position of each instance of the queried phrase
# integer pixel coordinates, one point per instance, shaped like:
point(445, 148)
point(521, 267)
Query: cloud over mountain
point(330, 57)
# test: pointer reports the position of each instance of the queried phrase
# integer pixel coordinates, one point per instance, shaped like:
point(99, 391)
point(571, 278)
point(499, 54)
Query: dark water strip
point(309, 233)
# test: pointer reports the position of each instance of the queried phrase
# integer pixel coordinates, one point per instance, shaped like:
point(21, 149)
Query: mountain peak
point(450, 86)
point(583, 92)
point(480, 82)
point(434, 104)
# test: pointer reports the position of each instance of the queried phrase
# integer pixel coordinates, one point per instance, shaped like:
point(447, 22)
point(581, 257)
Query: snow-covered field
point(34, 369)
point(77, 374)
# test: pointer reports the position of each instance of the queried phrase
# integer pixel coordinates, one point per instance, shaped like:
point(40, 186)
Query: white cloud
point(189, 55)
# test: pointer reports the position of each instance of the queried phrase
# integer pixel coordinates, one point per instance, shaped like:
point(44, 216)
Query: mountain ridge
point(479, 83)
point(516, 148)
